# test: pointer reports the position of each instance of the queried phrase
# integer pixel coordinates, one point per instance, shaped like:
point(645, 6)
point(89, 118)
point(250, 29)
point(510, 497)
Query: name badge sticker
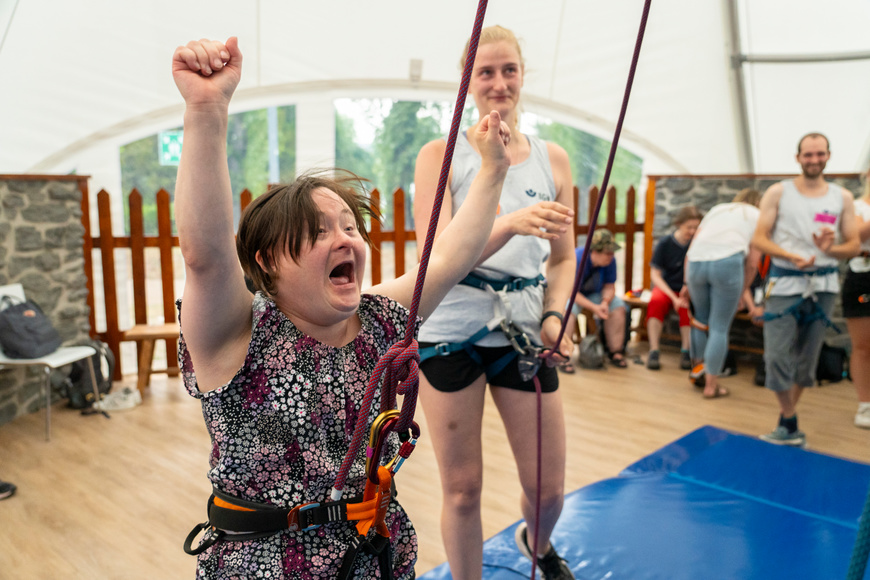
point(825, 218)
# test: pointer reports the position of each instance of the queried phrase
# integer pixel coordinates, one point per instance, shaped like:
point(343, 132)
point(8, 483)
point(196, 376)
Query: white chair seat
point(62, 356)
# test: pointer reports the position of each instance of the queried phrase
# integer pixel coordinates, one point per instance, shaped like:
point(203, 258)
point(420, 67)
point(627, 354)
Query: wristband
point(550, 313)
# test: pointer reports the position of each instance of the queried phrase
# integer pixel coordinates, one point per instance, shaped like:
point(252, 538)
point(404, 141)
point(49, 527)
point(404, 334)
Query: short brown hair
point(748, 195)
point(813, 135)
point(690, 212)
point(286, 217)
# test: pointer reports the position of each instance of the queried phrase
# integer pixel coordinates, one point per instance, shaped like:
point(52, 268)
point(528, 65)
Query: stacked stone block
point(41, 247)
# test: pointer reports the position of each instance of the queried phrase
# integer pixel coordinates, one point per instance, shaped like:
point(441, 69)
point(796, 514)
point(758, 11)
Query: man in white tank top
point(806, 226)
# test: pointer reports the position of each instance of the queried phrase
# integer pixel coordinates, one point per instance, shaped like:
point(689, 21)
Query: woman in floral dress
point(280, 373)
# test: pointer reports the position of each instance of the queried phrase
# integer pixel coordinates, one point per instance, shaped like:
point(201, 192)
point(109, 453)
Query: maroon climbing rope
point(593, 219)
point(581, 267)
point(400, 363)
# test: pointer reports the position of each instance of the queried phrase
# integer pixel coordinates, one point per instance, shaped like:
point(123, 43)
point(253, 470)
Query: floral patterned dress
point(280, 429)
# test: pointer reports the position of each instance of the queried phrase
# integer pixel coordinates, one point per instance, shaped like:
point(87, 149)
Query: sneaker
point(550, 565)
point(781, 436)
point(652, 360)
point(685, 360)
point(126, 398)
point(696, 376)
point(6, 489)
point(862, 417)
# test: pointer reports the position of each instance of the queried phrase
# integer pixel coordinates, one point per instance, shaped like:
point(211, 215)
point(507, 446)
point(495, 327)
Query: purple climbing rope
point(593, 220)
point(400, 363)
point(581, 267)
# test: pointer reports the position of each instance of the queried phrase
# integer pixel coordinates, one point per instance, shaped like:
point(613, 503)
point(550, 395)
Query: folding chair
point(62, 356)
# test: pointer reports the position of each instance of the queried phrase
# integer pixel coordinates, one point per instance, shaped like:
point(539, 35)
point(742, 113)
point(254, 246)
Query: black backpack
point(77, 386)
point(833, 364)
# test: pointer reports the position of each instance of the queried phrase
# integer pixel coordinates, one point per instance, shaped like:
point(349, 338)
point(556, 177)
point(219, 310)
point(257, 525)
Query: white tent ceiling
point(77, 79)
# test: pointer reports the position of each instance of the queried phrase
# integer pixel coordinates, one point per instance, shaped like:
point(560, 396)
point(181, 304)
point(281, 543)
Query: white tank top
point(798, 218)
point(465, 309)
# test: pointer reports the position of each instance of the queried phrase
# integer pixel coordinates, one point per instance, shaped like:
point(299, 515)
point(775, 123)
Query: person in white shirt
point(856, 308)
point(720, 267)
point(799, 226)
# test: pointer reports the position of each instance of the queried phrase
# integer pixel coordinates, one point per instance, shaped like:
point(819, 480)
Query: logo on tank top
point(542, 196)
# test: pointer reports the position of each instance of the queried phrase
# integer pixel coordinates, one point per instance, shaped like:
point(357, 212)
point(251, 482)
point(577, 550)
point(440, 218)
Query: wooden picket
point(137, 242)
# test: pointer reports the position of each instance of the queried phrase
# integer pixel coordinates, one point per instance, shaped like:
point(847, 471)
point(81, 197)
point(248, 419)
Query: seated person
point(667, 275)
point(598, 295)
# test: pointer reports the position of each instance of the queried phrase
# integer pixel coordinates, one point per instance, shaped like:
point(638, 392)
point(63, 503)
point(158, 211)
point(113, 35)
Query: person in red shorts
point(667, 275)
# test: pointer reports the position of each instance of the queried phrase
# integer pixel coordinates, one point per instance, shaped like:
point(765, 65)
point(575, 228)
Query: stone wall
point(675, 192)
point(41, 247)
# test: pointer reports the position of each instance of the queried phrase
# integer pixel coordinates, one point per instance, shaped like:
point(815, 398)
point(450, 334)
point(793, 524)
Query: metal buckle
point(442, 348)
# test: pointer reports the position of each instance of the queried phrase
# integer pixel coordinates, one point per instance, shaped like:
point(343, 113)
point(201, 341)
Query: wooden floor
point(115, 498)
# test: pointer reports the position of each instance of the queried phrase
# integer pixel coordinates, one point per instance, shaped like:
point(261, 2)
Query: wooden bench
point(145, 335)
point(632, 302)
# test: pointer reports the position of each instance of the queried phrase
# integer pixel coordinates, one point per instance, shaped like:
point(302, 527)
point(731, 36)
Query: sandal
point(720, 392)
point(566, 367)
point(618, 362)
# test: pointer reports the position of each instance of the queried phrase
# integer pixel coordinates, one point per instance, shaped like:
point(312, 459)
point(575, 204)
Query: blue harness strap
point(513, 333)
point(511, 285)
point(780, 272)
point(806, 310)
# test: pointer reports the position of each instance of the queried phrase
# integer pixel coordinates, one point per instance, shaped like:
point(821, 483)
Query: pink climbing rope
point(400, 363)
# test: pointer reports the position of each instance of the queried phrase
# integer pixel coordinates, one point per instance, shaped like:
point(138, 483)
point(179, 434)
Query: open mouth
point(342, 274)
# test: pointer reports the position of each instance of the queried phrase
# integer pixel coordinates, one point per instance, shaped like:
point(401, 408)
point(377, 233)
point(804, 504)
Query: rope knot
point(403, 364)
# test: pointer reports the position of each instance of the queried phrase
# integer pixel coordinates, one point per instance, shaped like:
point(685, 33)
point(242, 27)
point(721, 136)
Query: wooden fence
point(165, 241)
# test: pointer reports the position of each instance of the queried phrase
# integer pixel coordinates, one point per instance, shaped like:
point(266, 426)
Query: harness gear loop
point(523, 348)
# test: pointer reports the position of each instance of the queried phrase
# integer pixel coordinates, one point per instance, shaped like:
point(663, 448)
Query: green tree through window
point(247, 156)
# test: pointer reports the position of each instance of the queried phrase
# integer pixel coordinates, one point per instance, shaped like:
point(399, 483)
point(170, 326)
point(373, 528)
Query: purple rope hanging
point(593, 219)
point(400, 363)
point(581, 267)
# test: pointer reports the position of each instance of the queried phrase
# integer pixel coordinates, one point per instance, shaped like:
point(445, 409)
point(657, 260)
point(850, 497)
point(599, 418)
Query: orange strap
point(378, 497)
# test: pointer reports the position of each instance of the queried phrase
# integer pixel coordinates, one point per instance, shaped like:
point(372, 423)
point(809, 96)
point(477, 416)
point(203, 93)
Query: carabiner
point(381, 428)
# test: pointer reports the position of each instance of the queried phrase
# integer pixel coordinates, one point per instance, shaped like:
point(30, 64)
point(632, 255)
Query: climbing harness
point(805, 309)
point(236, 520)
point(524, 351)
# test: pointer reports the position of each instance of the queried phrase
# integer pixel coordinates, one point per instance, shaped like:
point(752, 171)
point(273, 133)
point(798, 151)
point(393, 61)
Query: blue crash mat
point(712, 505)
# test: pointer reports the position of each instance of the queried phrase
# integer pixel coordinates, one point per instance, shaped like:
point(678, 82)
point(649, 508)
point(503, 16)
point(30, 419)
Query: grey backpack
point(591, 353)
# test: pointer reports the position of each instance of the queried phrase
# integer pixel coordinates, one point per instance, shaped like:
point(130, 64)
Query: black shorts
point(455, 371)
point(856, 294)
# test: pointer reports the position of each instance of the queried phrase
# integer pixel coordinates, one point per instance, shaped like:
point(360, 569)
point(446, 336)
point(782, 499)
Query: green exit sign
point(169, 144)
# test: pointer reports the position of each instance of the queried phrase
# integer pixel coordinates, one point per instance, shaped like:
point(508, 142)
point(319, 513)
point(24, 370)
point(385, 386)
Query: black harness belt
point(238, 520)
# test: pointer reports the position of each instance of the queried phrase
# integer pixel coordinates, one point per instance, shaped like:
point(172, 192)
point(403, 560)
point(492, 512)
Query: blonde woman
point(531, 233)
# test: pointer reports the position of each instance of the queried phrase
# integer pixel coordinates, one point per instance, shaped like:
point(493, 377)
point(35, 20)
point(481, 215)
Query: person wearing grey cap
point(598, 295)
